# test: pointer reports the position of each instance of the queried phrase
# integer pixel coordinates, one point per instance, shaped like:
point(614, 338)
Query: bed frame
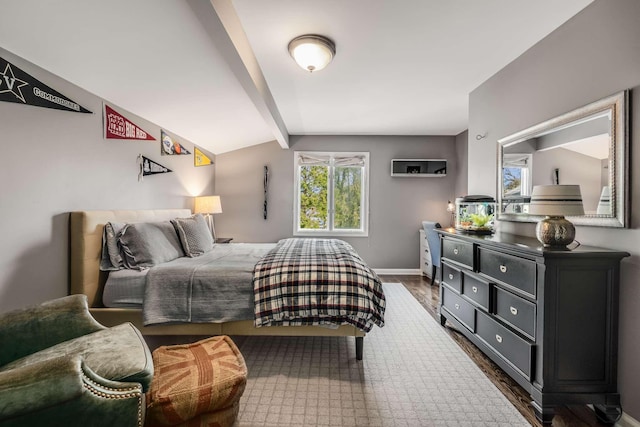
point(86, 278)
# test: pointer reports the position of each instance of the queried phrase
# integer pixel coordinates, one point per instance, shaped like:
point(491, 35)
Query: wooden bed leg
point(359, 347)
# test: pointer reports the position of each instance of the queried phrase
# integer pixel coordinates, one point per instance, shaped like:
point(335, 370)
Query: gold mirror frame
point(618, 105)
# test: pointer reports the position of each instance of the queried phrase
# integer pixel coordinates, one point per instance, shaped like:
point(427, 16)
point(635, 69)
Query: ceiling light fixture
point(312, 52)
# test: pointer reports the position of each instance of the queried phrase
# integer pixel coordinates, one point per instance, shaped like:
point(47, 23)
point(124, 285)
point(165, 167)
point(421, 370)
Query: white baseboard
point(398, 271)
point(627, 421)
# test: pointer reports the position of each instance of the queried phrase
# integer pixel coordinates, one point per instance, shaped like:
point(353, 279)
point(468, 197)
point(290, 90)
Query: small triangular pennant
point(171, 147)
point(116, 126)
point(149, 167)
point(200, 159)
point(22, 88)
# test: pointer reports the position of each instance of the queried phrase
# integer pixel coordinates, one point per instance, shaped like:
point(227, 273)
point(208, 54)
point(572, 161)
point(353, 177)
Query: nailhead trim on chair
point(115, 393)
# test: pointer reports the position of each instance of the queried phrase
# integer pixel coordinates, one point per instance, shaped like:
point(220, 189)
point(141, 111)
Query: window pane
point(347, 197)
point(314, 197)
point(512, 181)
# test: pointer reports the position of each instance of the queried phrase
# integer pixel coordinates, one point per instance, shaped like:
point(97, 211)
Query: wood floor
point(567, 416)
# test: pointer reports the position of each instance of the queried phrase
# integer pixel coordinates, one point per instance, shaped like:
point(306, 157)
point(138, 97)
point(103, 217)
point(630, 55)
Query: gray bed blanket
point(214, 287)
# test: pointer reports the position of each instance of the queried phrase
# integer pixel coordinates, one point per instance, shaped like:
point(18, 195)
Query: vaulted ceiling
point(218, 73)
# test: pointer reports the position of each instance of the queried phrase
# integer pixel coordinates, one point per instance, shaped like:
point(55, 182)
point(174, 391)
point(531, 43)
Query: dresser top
point(529, 245)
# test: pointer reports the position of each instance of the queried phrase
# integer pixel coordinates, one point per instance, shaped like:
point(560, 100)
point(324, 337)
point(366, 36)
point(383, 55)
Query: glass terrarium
point(474, 214)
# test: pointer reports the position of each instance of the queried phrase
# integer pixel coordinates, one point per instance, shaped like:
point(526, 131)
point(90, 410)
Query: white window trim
point(364, 232)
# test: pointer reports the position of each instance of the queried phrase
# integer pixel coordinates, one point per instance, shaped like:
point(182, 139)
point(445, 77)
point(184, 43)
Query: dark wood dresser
point(548, 318)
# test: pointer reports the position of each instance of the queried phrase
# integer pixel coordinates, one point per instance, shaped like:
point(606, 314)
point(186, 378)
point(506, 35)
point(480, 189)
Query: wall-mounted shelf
point(419, 168)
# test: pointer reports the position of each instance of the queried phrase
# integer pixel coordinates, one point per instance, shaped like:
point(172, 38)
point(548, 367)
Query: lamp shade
point(312, 52)
point(556, 200)
point(207, 205)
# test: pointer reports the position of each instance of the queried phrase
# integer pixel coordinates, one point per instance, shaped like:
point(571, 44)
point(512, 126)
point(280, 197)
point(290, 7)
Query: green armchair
point(60, 367)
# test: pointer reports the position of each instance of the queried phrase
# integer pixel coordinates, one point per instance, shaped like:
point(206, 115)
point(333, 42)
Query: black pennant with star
point(19, 87)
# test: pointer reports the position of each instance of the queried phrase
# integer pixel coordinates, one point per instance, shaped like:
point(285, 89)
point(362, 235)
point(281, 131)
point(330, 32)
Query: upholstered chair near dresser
point(430, 249)
point(59, 367)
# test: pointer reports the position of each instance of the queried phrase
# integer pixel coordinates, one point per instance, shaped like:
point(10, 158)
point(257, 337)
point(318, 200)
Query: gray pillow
point(194, 235)
point(146, 244)
point(111, 258)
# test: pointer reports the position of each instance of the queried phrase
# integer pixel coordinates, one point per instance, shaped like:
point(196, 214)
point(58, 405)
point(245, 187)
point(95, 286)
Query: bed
point(86, 233)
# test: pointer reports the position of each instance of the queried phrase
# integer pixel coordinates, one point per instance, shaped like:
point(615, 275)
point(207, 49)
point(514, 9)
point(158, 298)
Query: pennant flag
point(19, 87)
point(171, 147)
point(149, 167)
point(200, 159)
point(116, 126)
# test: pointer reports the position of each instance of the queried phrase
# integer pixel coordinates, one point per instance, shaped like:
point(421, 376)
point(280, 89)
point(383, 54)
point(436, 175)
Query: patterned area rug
point(412, 374)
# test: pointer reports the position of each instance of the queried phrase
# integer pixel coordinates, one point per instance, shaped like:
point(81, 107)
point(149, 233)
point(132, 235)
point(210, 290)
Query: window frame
point(364, 209)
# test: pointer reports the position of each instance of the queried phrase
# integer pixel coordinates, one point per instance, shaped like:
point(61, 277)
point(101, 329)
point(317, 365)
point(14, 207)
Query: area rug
point(412, 374)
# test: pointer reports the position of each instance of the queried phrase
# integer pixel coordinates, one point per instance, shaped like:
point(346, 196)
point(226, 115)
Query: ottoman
point(198, 384)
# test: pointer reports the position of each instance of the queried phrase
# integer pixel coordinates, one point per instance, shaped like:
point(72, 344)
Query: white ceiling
point(401, 68)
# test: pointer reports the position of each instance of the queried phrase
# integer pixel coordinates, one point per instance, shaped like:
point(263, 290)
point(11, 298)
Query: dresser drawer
point(461, 309)
point(516, 311)
point(517, 272)
point(452, 277)
point(476, 290)
point(509, 345)
point(458, 251)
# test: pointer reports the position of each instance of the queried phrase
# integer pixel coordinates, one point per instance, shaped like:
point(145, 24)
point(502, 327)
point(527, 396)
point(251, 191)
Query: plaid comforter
point(316, 282)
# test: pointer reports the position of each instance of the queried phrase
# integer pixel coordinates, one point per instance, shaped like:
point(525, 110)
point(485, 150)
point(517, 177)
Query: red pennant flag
point(116, 126)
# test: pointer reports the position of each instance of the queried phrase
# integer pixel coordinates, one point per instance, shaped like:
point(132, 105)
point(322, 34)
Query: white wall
point(53, 162)
point(593, 55)
point(397, 205)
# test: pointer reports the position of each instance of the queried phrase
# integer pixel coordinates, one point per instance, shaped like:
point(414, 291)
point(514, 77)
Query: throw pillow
point(194, 235)
point(146, 244)
point(111, 258)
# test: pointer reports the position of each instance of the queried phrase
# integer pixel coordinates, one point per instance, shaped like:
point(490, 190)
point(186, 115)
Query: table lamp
point(208, 205)
point(554, 202)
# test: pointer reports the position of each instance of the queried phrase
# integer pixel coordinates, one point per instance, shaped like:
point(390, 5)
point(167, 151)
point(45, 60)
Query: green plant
point(480, 220)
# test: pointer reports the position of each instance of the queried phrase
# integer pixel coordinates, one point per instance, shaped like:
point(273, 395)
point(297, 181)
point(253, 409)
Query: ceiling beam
point(223, 26)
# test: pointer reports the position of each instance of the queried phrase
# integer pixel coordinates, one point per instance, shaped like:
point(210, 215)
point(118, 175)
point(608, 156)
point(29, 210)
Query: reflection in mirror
point(586, 147)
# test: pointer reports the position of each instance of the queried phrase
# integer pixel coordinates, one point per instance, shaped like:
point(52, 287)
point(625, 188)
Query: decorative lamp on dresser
point(547, 317)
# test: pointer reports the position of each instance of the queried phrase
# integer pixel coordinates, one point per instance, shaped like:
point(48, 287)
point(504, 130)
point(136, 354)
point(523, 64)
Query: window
point(516, 175)
point(331, 193)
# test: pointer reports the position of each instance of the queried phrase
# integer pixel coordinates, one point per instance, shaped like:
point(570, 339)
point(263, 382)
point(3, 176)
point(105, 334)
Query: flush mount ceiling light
point(312, 52)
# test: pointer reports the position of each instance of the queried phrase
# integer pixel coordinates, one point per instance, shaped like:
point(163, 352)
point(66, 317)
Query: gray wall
point(593, 55)
point(584, 171)
point(53, 162)
point(462, 172)
point(397, 205)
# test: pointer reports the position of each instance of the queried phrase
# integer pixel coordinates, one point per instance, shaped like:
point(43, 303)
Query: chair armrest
point(51, 391)
point(43, 384)
point(31, 329)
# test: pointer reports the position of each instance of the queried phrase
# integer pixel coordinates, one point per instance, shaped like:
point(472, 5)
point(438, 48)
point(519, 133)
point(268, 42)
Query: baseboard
point(398, 271)
point(627, 421)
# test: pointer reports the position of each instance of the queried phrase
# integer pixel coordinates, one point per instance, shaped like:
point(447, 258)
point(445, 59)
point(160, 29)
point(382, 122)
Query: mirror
point(587, 147)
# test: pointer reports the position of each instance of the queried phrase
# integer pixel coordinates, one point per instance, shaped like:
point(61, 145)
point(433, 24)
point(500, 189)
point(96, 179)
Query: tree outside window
point(331, 193)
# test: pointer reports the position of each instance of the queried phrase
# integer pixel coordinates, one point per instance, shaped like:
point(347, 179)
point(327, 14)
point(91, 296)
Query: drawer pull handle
point(499, 338)
point(457, 306)
point(474, 289)
point(514, 311)
point(455, 251)
point(450, 276)
point(503, 268)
